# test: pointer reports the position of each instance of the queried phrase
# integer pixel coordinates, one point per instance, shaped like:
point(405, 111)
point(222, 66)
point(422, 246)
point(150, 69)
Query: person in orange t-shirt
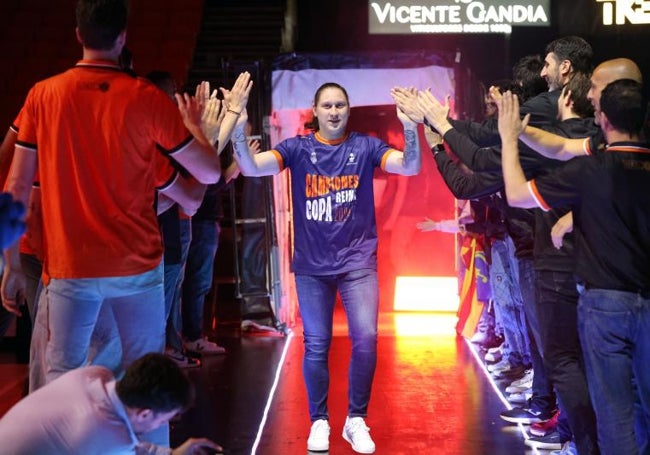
point(91, 134)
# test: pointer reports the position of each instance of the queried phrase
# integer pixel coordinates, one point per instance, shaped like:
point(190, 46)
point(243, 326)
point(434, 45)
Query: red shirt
point(95, 129)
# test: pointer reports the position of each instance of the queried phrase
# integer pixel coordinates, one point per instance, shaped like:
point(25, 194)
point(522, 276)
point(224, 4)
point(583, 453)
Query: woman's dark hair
point(313, 123)
point(624, 104)
point(155, 382)
point(101, 21)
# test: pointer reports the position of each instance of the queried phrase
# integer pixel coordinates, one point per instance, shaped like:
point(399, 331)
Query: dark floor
point(431, 394)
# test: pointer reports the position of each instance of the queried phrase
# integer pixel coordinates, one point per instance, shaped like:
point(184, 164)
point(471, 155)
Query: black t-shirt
point(546, 256)
point(609, 194)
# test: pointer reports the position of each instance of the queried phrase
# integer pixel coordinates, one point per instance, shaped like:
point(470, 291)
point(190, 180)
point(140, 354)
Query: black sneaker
point(526, 415)
point(550, 441)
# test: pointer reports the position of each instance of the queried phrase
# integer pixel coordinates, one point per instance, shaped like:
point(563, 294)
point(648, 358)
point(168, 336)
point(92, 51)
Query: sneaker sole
point(543, 445)
point(539, 433)
point(316, 448)
point(524, 420)
point(516, 389)
point(354, 448)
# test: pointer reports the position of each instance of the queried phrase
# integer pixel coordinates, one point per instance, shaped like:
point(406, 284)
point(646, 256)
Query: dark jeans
point(557, 300)
point(316, 297)
point(543, 398)
point(198, 276)
point(615, 334)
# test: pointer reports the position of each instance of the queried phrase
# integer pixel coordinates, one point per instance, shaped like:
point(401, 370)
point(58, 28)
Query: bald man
point(561, 148)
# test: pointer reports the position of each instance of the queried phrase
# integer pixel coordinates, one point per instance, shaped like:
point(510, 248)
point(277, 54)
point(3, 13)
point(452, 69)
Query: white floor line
point(269, 400)
point(497, 390)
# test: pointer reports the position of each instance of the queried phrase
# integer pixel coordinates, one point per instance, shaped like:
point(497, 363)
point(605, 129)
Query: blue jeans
point(174, 274)
point(198, 276)
point(73, 309)
point(74, 305)
point(614, 329)
point(316, 297)
point(508, 302)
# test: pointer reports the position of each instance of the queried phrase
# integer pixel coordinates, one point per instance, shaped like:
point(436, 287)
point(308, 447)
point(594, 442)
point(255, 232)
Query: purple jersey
point(333, 205)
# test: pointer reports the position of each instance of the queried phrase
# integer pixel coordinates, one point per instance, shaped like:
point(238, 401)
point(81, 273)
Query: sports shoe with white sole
point(357, 434)
point(526, 415)
point(524, 380)
point(520, 397)
point(544, 428)
point(319, 436)
point(204, 346)
point(550, 441)
point(493, 357)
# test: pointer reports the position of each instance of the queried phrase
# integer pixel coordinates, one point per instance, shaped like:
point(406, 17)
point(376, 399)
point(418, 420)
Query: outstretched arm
point(235, 101)
point(251, 164)
point(551, 145)
point(436, 113)
point(409, 161)
point(200, 157)
point(510, 126)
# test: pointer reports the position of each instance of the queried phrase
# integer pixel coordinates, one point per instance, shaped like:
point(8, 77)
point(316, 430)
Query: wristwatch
point(437, 149)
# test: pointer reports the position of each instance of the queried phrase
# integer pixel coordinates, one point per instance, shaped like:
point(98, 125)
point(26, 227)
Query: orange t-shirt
point(95, 130)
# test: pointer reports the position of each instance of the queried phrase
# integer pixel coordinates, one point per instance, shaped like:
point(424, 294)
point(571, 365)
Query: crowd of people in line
point(566, 244)
point(120, 176)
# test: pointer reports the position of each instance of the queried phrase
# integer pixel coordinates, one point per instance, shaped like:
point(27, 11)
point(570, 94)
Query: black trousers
point(557, 305)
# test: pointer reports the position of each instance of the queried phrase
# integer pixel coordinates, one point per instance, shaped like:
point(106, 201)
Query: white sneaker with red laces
point(204, 346)
point(357, 434)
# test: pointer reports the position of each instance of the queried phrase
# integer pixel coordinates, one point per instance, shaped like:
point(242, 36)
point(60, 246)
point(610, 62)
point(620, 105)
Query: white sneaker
point(357, 434)
point(493, 357)
point(525, 381)
point(204, 346)
point(520, 397)
point(319, 436)
point(495, 349)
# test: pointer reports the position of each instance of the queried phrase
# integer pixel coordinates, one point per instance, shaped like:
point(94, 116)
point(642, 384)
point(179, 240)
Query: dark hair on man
point(579, 86)
point(158, 77)
point(101, 21)
point(625, 106)
point(574, 49)
point(313, 124)
point(155, 382)
point(527, 73)
point(125, 60)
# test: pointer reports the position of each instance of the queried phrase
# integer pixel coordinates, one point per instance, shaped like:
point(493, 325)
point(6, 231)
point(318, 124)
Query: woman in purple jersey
point(335, 244)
